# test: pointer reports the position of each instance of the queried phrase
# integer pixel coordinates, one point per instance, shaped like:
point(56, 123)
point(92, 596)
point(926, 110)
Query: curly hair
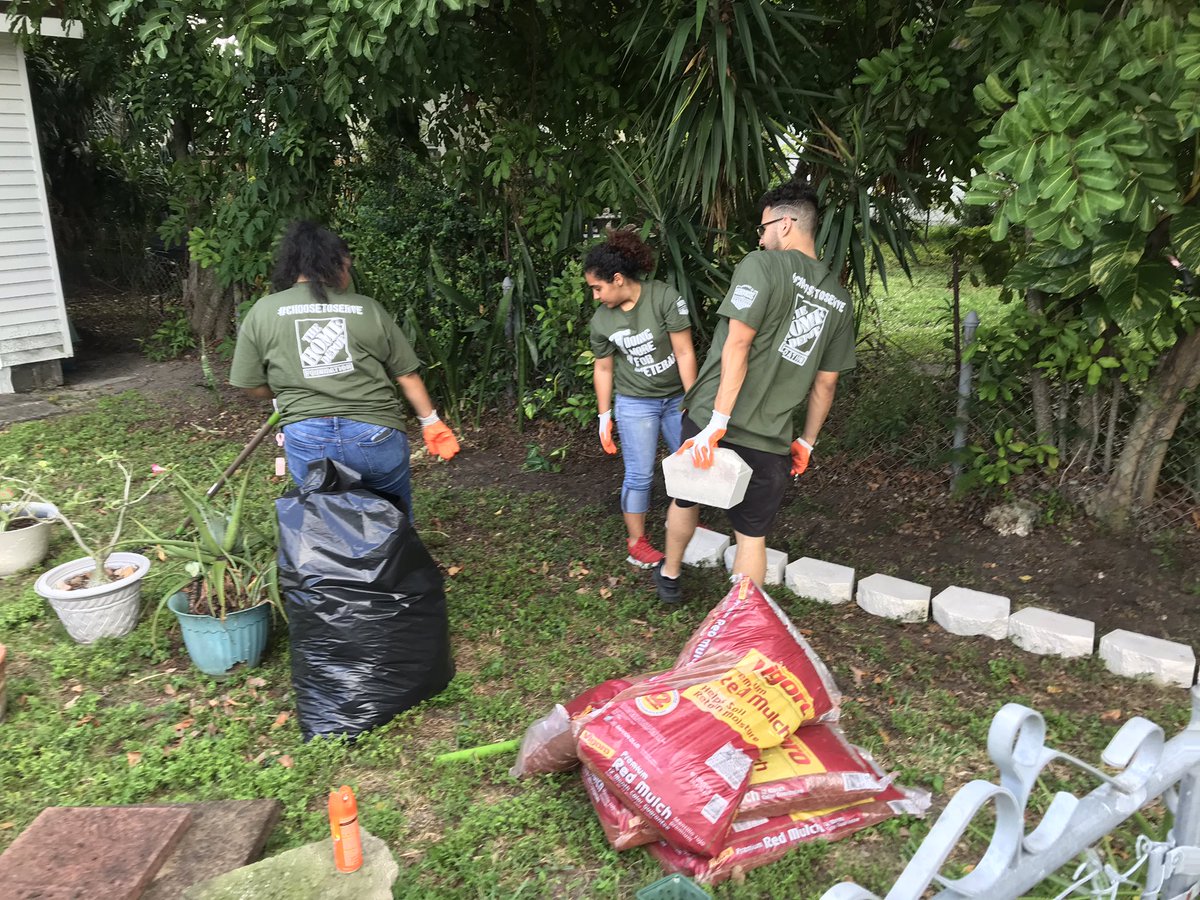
point(311, 251)
point(794, 199)
point(622, 252)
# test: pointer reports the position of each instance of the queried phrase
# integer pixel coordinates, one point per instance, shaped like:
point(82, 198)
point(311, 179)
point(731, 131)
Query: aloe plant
point(231, 563)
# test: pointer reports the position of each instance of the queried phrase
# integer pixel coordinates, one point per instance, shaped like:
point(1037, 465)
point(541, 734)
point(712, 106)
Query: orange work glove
point(438, 437)
point(606, 434)
point(801, 451)
point(701, 447)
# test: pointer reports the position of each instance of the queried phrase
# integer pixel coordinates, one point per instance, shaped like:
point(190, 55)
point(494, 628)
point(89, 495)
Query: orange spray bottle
point(343, 823)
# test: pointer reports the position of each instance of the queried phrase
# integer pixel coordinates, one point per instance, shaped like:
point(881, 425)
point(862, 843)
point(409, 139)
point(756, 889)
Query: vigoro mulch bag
point(756, 842)
point(549, 744)
point(622, 826)
point(815, 768)
point(681, 758)
point(747, 619)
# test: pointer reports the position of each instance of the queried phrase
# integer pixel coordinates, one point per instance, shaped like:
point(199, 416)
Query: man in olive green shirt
point(786, 333)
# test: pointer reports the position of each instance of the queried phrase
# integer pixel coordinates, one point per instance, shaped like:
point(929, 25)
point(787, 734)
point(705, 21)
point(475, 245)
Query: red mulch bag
point(815, 768)
point(623, 827)
point(681, 758)
point(549, 745)
point(756, 842)
point(747, 619)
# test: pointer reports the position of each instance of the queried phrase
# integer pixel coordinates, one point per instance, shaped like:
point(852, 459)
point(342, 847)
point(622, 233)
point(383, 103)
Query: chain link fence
point(897, 413)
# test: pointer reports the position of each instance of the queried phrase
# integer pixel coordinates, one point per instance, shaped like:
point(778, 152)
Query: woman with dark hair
point(332, 360)
point(641, 336)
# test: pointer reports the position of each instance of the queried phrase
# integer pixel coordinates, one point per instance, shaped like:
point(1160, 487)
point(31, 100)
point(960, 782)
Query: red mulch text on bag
point(622, 826)
point(682, 758)
point(756, 842)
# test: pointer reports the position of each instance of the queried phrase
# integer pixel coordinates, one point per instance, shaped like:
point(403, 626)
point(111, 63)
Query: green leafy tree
point(1092, 123)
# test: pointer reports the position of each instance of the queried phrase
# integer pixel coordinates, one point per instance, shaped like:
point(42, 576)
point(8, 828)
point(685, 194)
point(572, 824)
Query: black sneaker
point(668, 588)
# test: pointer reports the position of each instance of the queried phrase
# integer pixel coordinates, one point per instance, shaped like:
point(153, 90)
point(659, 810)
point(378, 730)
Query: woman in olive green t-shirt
point(642, 339)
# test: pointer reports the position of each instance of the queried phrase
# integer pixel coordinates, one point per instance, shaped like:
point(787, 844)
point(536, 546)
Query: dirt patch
point(904, 524)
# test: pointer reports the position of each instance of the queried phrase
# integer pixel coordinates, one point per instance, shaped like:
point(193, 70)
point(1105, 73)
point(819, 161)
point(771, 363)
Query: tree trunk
point(1135, 478)
point(1043, 417)
point(209, 306)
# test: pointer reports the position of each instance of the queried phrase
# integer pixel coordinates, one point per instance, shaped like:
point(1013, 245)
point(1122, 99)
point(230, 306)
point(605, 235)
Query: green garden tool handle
point(246, 451)
point(457, 756)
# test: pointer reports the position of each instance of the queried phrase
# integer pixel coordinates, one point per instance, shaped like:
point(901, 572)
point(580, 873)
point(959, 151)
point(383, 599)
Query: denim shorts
point(769, 473)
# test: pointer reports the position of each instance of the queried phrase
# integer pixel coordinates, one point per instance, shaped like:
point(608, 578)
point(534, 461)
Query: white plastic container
point(722, 485)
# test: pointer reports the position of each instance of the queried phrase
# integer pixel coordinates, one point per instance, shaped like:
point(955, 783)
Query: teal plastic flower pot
point(215, 646)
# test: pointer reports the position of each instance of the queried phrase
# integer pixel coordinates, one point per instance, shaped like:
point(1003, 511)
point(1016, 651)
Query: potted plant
point(99, 594)
point(24, 524)
point(228, 584)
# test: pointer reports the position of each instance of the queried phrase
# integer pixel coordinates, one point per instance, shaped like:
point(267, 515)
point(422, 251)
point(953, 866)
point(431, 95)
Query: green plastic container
point(673, 887)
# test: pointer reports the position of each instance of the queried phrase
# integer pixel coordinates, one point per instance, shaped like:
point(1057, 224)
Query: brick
point(894, 598)
point(706, 550)
point(105, 853)
point(776, 563)
point(967, 612)
point(721, 485)
point(1132, 654)
point(1050, 633)
point(818, 580)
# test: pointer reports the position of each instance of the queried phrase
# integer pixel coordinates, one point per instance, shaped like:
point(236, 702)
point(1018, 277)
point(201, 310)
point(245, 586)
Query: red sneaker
point(642, 554)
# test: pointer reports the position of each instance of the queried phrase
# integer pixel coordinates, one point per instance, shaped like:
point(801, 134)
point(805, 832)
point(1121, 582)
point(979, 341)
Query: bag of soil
point(365, 604)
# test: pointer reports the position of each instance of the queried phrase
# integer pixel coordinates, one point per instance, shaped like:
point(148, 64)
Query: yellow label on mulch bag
point(752, 700)
point(791, 759)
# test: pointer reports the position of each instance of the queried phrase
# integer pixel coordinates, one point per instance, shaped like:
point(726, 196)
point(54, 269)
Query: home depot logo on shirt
point(804, 332)
point(808, 320)
point(324, 347)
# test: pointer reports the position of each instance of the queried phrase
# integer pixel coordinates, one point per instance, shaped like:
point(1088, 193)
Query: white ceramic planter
point(24, 548)
point(104, 610)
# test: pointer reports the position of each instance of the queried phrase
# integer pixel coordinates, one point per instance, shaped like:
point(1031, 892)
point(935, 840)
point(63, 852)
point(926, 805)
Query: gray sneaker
point(668, 588)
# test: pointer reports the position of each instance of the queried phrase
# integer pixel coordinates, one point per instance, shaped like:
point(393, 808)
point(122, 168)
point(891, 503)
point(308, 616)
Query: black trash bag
point(365, 604)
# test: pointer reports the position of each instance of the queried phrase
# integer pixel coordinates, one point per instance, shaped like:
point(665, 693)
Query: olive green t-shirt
point(645, 364)
point(804, 323)
point(338, 358)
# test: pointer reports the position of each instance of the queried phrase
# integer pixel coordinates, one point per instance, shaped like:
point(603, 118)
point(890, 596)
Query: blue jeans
point(378, 453)
point(639, 422)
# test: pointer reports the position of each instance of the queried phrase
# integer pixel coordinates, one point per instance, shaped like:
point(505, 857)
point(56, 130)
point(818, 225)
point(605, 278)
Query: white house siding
point(33, 316)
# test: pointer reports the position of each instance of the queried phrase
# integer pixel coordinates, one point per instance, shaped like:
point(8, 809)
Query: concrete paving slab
point(706, 549)
point(818, 580)
point(966, 612)
point(894, 598)
point(224, 835)
point(101, 853)
point(776, 563)
point(1051, 634)
point(1131, 654)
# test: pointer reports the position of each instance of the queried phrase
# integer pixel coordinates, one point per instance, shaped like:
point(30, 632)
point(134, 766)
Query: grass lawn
point(917, 315)
point(542, 606)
